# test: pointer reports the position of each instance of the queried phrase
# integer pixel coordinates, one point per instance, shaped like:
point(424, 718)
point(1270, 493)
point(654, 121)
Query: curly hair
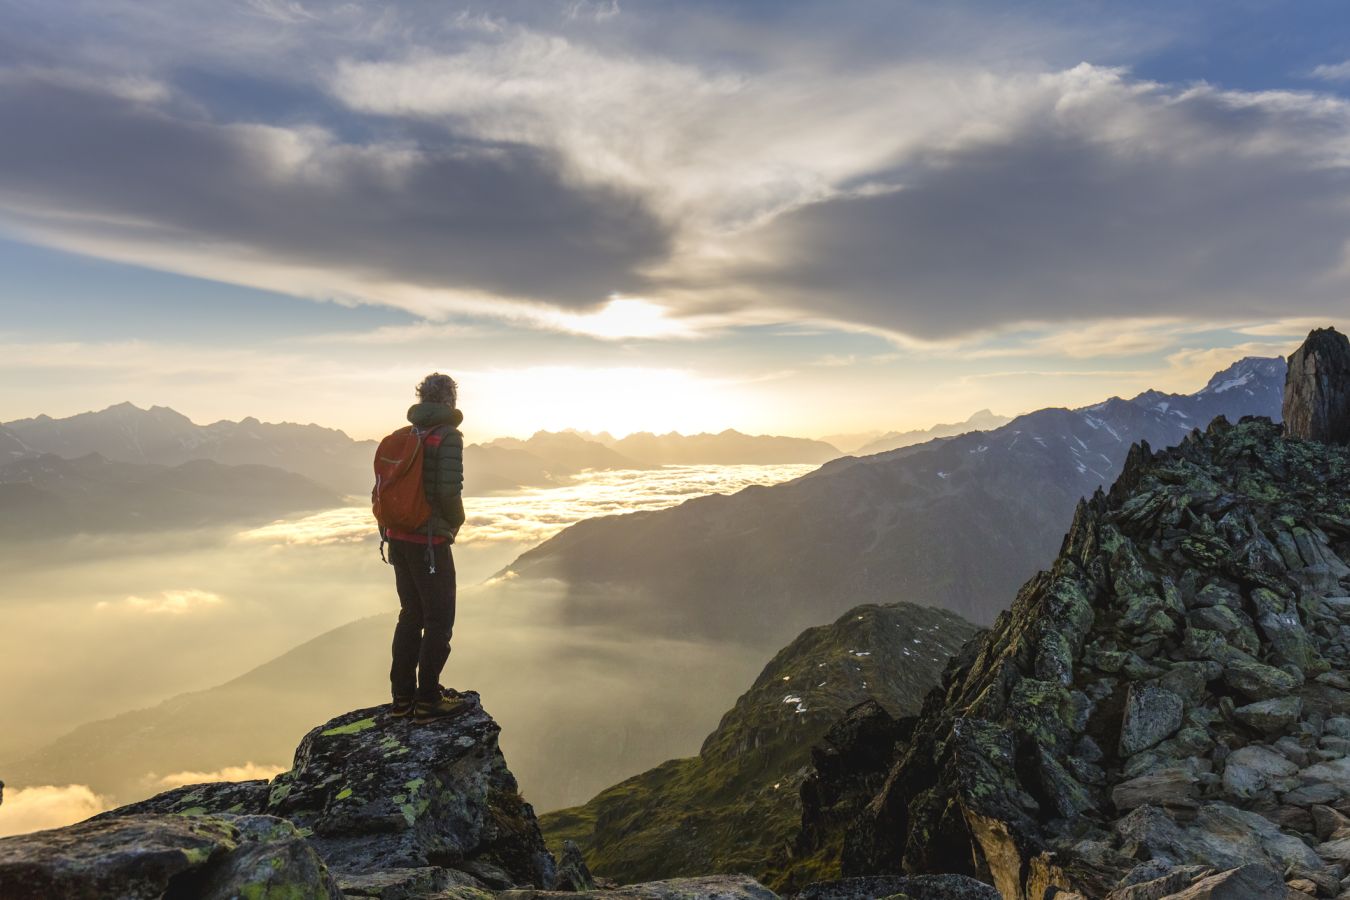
point(438, 388)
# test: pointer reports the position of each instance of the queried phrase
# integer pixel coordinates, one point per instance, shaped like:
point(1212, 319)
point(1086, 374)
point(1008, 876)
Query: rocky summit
point(1317, 390)
point(374, 807)
point(1165, 712)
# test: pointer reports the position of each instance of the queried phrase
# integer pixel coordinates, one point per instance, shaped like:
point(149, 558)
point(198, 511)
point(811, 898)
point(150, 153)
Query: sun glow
point(622, 317)
point(618, 400)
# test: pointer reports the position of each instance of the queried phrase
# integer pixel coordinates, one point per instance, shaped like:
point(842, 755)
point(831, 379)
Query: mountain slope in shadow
point(957, 523)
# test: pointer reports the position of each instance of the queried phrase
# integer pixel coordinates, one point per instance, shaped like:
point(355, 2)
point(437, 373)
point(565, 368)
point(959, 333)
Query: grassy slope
point(735, 807)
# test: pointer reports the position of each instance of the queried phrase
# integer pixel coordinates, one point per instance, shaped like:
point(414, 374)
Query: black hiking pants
point(425, 621)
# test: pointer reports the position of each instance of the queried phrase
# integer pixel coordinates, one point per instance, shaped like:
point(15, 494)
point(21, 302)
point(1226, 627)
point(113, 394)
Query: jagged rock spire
point(1317, 389)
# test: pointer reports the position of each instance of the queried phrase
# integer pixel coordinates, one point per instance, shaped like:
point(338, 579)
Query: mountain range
point(926, 523)
point(984, 420)
point(729, 447)
point(126, 433)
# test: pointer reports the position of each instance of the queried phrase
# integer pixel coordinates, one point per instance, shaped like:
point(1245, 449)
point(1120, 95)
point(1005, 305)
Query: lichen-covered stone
point(1152, 714)
point(378, 792)
point(1273, 715)
point(714, 887)
point(140, 857)
point(232, 797)
point(915, 887)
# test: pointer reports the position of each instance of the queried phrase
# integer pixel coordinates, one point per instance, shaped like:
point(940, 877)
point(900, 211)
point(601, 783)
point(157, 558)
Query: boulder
point(715, 887)
point(1152, 714)
point(377, 792)
point(1270, 716)
point(1250, 882)
point(1173, 786)
point(407, 884)
point(1253, 769)
point(1156, 879)
point(1317, 389)
point(915, 887)
point(1334, 772)
point(1258, 681)
point(573, 873)
point(151, 856)
point(1221, 836)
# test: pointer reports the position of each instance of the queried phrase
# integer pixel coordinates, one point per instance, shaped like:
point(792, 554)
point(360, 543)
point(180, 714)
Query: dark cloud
point(450, 214)
point(1053, 224)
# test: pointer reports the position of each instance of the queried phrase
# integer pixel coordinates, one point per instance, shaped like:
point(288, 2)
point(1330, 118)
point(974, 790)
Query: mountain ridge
point(874, 528)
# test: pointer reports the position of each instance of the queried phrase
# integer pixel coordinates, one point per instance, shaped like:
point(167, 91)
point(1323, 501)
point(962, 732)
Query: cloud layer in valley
point(47, 806)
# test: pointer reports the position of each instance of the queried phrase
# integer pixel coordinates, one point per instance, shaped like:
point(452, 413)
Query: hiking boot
point(402, 706)
point(442, 708)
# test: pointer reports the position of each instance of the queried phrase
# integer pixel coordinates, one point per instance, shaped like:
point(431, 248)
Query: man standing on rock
point(419, 504)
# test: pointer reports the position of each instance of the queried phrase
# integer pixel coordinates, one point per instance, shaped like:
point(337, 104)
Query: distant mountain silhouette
point(984, 420)
point(159, 435)
point(957, 523)
point(47, 496)
point(729, 447)
point(126, 433)
point(567, 452)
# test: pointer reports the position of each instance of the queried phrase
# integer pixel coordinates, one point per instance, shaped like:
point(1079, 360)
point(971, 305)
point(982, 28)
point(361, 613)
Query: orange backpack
point(399, 498)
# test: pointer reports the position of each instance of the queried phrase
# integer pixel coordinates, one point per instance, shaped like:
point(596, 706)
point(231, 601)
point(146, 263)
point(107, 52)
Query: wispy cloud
point(1333, 71)
point(247, 772)
point(169, 602)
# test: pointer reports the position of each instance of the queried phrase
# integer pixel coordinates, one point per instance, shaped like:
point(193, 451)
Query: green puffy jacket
point(443, 467)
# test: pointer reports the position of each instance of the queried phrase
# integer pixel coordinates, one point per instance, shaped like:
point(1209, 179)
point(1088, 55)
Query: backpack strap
point(434, 499)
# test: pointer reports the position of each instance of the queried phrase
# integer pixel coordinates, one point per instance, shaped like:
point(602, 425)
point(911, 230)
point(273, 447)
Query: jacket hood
point(429, 415)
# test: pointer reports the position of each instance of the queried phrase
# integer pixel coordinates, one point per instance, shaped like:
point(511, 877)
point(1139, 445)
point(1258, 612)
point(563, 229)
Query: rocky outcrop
point(1317, 389)
point(375, 793)
point(380, 793)
point(393, 808)
point(150, 856)
point(1166, 702)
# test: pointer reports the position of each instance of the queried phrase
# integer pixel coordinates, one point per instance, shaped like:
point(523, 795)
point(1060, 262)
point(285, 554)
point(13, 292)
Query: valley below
point(240, 637)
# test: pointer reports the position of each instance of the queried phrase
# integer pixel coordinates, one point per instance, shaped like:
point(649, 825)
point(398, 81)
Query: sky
point(784, 217)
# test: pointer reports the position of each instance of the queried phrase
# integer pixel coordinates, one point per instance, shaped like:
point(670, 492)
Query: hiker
point(419, 505)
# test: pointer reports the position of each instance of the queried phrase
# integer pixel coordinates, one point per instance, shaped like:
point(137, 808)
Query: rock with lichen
point(151, 856)
point(378, 792)
point(1317, 389)
point(374, 794)
point(1157, 703)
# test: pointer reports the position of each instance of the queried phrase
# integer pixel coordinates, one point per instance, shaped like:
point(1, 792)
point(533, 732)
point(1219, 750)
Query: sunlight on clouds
point(249, 771)
point(1197, 364)
point(623, 317)
point(169, 602)
point(48, 806)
